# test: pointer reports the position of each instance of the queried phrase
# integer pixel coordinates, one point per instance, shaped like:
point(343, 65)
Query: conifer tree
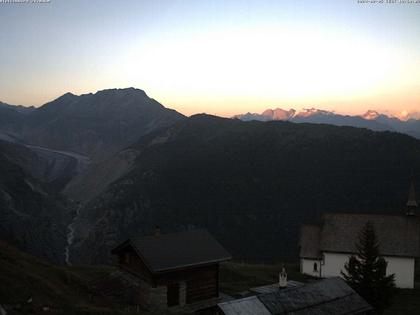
point(365, 272)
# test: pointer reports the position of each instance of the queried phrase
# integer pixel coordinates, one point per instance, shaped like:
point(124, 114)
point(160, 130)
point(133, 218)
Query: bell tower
point(411, 202)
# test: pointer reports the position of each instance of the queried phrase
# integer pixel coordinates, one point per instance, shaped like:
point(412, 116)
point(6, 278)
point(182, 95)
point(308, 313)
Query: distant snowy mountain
point(269, 114)
point(370, 115)
point(405, 115)
point(405, 122)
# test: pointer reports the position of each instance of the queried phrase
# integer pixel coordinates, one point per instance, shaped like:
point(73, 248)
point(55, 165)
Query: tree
point(365, 272)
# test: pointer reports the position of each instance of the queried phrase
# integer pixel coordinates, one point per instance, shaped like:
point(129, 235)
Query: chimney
point(157, 231)
point(283, 278)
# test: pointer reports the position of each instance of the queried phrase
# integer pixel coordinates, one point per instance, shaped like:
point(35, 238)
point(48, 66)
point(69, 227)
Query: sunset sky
point(220, 57)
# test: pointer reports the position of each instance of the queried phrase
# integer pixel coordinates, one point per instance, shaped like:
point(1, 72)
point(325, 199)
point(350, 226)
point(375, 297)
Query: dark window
point(173, 294)
point(315, 267)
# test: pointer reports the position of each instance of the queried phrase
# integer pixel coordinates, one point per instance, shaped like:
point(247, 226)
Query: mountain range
point(82, 173)
point(91, 124)
point(406, 123)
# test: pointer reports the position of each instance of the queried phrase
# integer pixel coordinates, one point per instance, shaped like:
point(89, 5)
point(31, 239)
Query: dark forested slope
point(252, 184)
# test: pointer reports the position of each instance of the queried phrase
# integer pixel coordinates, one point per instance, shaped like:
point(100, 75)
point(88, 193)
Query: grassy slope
point(22, 277)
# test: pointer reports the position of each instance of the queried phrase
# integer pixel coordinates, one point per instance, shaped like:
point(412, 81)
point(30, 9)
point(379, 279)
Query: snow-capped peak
point(406, 115)
point(370, 115)
point(307, 112)
point(279, 114)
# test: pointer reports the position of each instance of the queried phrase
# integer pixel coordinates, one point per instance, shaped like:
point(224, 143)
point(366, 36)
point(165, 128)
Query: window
point(173, 294)
point(315, 267)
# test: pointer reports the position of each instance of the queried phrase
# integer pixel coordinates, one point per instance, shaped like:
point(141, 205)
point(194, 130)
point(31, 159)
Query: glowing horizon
point(218, 58)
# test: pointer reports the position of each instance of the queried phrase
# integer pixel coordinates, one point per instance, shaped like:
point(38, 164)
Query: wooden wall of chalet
point(201, 283)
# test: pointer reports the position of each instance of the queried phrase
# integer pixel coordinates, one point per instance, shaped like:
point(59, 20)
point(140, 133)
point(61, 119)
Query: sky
point(219, 57)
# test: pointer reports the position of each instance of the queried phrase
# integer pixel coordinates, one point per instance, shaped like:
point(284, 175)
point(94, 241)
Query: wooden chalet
point(174, 270)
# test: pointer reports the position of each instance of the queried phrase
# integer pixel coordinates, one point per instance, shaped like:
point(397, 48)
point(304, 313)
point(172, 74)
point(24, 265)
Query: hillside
point(28, 284)
point(252, 184)
point(53, 168)
point(32, 215)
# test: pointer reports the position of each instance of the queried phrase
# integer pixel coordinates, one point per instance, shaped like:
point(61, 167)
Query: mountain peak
point(307, 112)
point(370, 115)
point(123, 91)
point(68, 94)
point(406, 115)
point(279, 114)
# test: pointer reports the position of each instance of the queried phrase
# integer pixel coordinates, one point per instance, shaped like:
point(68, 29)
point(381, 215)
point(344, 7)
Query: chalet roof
point(309, 241)
point(398, 235)
point(329, 296)
point(178, 250)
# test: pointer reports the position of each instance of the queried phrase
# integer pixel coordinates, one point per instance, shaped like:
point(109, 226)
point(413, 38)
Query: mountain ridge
point(371, 119)
point(94, 124)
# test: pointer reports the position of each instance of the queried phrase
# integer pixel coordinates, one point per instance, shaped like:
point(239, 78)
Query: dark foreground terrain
point(64, 290)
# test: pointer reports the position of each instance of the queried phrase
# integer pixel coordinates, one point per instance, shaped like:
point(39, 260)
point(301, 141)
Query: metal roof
point(178, 250)
point(275, 287)
point(329, 296)
point(246, 306)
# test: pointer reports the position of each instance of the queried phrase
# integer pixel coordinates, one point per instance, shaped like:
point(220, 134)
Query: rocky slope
point(252, 184)
point(53, 168)
point(32, 216)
